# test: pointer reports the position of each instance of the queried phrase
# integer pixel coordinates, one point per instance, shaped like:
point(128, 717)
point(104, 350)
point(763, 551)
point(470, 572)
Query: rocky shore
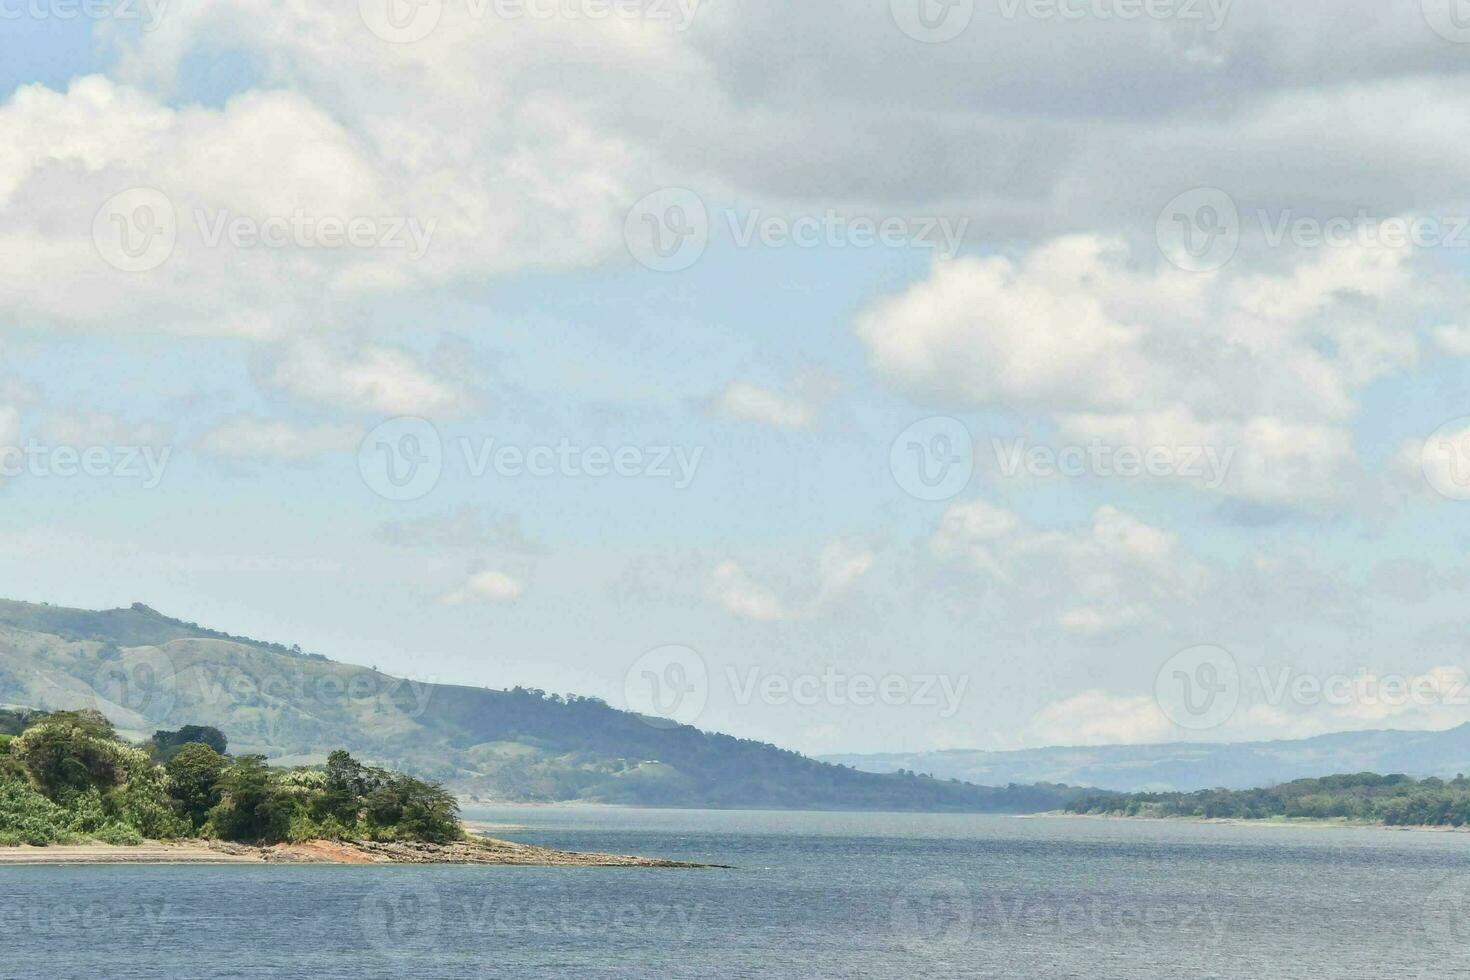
point(469, 851)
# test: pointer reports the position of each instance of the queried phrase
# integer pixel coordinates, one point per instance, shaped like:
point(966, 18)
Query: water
point(814, 895)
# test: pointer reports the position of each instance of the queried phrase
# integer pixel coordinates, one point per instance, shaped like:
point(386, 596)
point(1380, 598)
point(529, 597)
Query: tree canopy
point(66, 777)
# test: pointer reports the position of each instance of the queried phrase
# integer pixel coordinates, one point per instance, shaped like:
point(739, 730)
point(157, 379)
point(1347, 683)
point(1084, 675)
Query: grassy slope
point(146, 671)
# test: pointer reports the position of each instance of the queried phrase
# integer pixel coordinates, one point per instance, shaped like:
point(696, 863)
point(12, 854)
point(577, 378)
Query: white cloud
point(1276, 702)
point(1453, 339)
point(530, 186)
point(1100, 718)
point(1354, 700)
point(750, 403)
point(740, 595)
point(1268, 459)
point(839, 567)
point(577, 118)
point(990, 331)
point(485, 587)
point(1266, 368)
point(249, 437)
point(370, 378)
point(1114, 573)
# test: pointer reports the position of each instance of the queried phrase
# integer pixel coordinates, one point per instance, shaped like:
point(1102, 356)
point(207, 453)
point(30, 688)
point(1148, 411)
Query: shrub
point(144, 804)
point(27, 817)
point(118, 833)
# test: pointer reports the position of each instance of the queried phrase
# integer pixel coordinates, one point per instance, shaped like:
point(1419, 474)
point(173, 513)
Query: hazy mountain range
point(1192, 766)
point(147, 671)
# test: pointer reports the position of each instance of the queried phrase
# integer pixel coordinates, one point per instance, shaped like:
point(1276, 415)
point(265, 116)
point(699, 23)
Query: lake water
point(813, 895)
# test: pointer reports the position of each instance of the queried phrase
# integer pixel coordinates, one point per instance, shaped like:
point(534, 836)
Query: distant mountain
point(146, 671)
point(1192, 766)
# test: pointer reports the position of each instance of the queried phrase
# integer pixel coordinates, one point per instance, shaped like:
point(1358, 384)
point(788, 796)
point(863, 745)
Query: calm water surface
point(813, 895)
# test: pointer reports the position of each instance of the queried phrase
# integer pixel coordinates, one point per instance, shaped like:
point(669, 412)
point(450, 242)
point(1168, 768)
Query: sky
point(882, 375)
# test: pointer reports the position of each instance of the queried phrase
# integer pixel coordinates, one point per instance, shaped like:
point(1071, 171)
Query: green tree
point(250, 809)
point(70, 753)
point(167, 744)
point(194, 778)
point(346, 785)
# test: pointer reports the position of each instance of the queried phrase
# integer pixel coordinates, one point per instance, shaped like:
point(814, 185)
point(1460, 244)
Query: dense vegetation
point(1367, 797)
point(67, 778)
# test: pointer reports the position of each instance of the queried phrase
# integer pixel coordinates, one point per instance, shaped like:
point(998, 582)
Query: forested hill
point(146, 671)
point(1397, 800)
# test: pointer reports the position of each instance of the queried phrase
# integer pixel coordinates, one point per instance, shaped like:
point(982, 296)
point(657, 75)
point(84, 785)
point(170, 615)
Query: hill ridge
point(521, 744)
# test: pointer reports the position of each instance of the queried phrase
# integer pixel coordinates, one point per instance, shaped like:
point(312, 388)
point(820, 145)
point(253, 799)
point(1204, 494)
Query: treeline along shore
point(1368, 798)
point(72, 791)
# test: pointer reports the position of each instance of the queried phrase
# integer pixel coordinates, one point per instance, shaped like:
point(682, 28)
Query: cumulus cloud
point(1276, 702)
point(740, 595)
point(250, 437)
point(578, 118)
point(1113, 573)
point(839, 567)
point(485, 587)
point(369, 378)
point(1264, 369)
point(1453, 339)
point(750, 403)
point(1285, 702)
point(1100, 718)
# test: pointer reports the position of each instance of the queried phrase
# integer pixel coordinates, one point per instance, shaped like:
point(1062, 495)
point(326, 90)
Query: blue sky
point(1330, 545)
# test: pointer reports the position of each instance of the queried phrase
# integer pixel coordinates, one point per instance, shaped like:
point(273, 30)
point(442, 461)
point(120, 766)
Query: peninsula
point(72, 792)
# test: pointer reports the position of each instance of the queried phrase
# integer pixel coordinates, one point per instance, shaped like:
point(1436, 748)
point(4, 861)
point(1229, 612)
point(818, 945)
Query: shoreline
point(1305, 823)
point(475, 850)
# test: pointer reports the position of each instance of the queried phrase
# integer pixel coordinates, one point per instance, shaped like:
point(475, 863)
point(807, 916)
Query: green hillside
point(146, 671)
point(1365, 797)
